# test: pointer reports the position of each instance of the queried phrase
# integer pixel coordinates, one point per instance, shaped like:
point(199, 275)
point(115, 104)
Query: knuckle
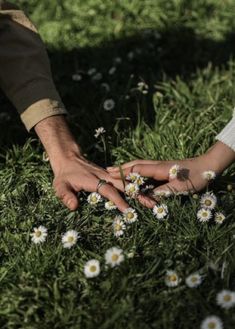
point(135, 168)
point(135, 162)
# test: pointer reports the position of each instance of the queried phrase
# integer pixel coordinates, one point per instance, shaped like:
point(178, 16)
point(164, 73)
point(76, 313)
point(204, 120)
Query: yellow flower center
point(92, 268)
point(38, 234)
point(132, 189)
point(160, 210)
point(94, 198)
point(194, 279)
point(173, 277)
point(115, 257)
point(117, 227)
point(70, 239)
point(208, 203)
point(227, 298)
point(130, 215)
point(211, 325)
point(173, 171)
point(204, 214)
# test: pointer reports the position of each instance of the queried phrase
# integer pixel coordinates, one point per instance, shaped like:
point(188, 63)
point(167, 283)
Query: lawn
point(182, 52)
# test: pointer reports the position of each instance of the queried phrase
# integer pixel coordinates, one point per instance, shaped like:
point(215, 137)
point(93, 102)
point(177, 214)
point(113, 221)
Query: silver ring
point(100, 183)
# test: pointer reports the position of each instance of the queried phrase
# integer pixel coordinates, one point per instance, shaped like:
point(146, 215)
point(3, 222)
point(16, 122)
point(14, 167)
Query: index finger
point(131, 164)
point(110, 193)
point(156, 171)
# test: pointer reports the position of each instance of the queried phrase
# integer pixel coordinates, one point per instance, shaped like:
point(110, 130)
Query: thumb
point(173, 187)
point(156, 171)
point(66, 194)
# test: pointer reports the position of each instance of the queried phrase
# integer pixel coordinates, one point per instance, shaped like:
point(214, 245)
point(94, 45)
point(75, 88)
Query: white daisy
point(209, 175)
point(105, 86)
point(94, 198)
point(118, 226)
point(204, 215)
point(212, 322)
point(130, 216)
point(208, 200)
point(97, 77)
point(109, 104)
point(219, 217)
point(226, 299)
point(39, 235)
point(91, 71)
point(173, 172)
point(92, 268)
point(135, 178)
point(99, 131)
point(69, 239)
point(132, 190)
point(109, 205)
point(193, 280)
point(112, 70)
point(162, 193)
point(147, 188)
point(160, 211)
point(132, 177)
point(114, 256)
point(195, 196)
point(171, 279)
point(117, 60)
point(76, 77)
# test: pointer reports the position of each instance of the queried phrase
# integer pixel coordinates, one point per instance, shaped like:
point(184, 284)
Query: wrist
point(58, 141)
point(60, 156)
point(219, 157)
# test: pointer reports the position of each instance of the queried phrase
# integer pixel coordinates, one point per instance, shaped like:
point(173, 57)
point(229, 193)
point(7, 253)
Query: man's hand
point(75, 174)
point(72, 171)
point(190, 178)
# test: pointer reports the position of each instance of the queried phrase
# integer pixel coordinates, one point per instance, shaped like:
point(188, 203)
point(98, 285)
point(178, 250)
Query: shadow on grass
point(146, 57)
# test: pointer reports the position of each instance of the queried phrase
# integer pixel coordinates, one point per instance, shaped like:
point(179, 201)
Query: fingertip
point(147, 202)
point(122, 208)
point(72, 204)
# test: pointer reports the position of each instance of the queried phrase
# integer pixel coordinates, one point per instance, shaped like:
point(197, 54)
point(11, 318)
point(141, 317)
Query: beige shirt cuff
point(41, 110)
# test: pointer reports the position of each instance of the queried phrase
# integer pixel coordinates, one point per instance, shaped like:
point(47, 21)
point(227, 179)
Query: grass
point(190, 70)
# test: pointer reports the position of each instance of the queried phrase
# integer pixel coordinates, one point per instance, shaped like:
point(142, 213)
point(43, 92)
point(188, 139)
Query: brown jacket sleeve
point(25, 74)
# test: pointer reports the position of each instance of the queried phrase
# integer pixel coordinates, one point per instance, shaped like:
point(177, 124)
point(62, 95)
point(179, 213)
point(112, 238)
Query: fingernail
point(69, 202)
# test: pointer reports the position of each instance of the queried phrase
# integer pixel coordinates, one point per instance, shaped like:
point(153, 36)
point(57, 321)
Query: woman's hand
point(189, 177)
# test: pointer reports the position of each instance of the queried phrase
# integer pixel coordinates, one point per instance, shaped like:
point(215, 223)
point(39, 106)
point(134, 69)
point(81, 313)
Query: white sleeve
point(227, 135)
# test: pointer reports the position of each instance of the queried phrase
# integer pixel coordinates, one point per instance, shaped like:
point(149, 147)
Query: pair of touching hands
point(79, 174)
point(73, 173)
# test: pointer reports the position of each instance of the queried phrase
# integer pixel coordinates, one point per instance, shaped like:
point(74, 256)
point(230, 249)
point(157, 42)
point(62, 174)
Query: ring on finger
point(100, 183)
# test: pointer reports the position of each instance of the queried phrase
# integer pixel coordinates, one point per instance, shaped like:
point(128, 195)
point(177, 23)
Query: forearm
point(219, 157)
point(57, 140)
